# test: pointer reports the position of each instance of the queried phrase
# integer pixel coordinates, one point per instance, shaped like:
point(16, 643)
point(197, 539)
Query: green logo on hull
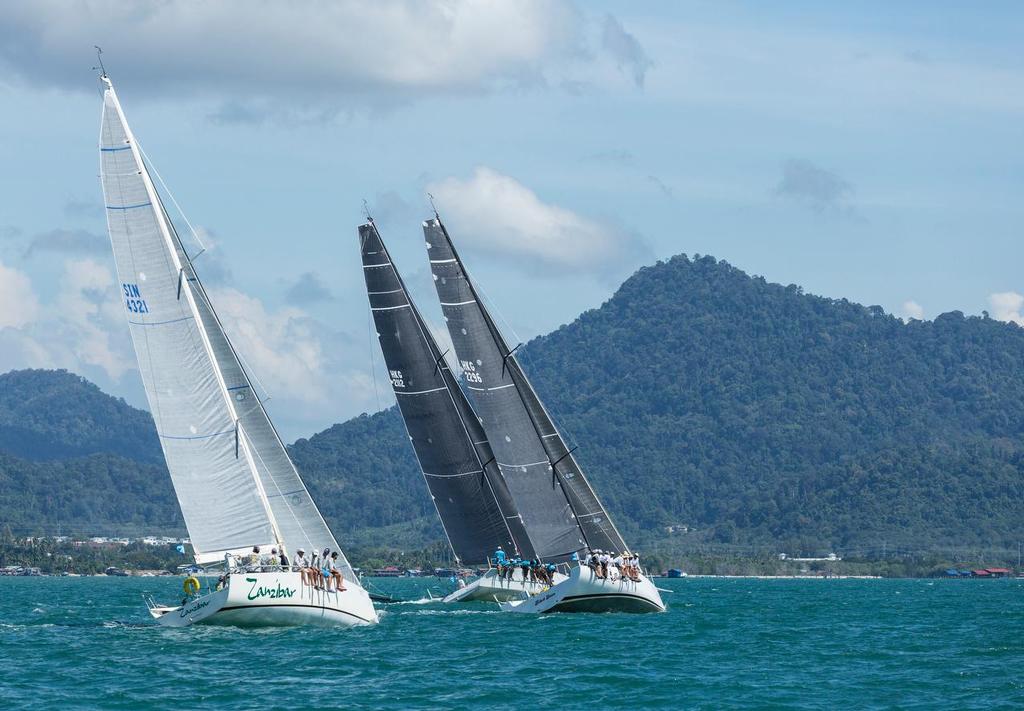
point(257, 591)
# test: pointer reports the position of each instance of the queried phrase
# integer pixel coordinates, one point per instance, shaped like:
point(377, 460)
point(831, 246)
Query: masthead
point(99, 58)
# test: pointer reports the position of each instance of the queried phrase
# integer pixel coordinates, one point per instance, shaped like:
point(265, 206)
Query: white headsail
point(235, 483)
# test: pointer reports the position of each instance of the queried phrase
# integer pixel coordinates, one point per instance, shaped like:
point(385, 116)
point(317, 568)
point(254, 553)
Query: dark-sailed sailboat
point(560, 511)
point(477, 511)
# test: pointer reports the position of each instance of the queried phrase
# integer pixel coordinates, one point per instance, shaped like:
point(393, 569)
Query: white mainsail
point(235, 483)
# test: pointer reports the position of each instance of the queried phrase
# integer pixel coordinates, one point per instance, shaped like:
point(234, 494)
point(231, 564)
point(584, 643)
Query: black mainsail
point(559, 508)
point(476, 509)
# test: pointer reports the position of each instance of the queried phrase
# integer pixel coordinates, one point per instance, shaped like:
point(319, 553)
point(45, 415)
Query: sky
point(870, 151)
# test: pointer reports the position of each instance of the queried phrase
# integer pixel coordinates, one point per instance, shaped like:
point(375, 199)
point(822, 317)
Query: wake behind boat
point(234, 480)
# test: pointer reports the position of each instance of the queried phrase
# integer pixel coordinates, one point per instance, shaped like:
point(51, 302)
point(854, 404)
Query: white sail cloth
point(233, 478)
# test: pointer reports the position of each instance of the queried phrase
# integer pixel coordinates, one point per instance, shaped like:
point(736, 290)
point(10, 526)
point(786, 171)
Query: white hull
point(277, 599)
point(490, 588)
point(583, 591)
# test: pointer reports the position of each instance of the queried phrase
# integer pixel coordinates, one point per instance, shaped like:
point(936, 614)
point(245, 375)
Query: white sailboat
point(235, 483)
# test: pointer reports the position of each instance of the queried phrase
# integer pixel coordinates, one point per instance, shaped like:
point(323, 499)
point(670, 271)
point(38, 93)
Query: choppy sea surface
point(724, 643)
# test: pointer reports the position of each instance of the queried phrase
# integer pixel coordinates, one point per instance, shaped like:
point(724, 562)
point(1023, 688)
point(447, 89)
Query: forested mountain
point(700, 397)
point(76, 460)
point(750, 412)
point(54, 414)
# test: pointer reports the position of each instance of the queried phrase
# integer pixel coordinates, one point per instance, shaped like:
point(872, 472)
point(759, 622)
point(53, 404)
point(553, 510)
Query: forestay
point(472, 499)
point(559, 509)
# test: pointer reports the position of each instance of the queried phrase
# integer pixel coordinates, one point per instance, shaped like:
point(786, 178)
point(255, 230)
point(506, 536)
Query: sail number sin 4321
point(133, 300)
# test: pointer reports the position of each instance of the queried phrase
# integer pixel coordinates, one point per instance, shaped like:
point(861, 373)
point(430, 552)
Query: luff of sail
point(501, 394)
point(471, 497)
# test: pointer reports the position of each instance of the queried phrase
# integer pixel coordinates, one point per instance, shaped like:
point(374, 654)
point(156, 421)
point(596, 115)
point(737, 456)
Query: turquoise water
point(87, 643)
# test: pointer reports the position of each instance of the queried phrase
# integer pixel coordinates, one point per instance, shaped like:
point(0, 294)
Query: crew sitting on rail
point(252, 561)
point(339, 584)
point(526, 566)
point(315, 575)
point(270, 563)
point(301, 564)
point(633, 567)
point(325, 568)
point(618, 563)
point(539, 572)
point(549, 572)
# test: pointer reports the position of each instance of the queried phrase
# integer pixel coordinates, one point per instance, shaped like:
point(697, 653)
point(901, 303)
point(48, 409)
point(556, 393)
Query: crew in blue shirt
point(499, 561)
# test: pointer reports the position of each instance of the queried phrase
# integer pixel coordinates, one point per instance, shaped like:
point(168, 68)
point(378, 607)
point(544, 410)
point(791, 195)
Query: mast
point(163, 223)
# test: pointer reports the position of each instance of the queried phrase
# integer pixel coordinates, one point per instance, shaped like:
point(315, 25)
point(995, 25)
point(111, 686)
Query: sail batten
point(471, 497)
point(552, 487)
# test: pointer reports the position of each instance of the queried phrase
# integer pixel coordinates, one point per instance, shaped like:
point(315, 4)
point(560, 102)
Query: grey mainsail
point(233, 479)
point(471, 497)
point(559, 507)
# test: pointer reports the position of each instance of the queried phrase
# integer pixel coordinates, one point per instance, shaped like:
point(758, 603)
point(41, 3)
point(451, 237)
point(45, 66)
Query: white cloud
point(316, 49)
point(312, 373)
point(1007, 306)
point(500, 215)
point(315, 374)
point(18, 303)
point(911, 310)
point(81, 329)
point(280, 346)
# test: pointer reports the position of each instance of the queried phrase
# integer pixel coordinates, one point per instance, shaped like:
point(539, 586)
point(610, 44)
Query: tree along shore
point(54, 557)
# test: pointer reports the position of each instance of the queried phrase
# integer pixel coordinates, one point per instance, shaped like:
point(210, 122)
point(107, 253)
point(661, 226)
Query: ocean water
point(724, 643)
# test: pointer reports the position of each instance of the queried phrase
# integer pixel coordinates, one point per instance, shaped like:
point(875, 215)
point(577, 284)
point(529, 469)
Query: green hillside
point(54, 414)
point(752, 413)
point(738, 411)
